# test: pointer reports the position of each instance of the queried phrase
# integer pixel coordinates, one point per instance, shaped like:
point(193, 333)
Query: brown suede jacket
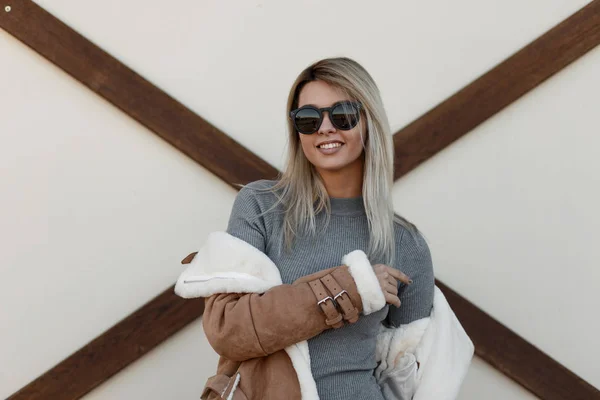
point(241, 328)
point(260, 326)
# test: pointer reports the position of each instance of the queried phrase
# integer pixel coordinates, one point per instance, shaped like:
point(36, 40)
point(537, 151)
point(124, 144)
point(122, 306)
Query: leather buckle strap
point(342, 298)
point(324, 300)
point(224, 387)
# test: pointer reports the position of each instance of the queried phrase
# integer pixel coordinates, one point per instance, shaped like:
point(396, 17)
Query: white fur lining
point(226, 264)
point(226, 282)
point(366, 281)
point(395, 343)
point(300, 357)
point(397, 373)
point(438, 343)
point(445, 353)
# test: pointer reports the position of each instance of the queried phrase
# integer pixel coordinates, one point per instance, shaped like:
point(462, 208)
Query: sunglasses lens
point(345, 116)
point(307, 120)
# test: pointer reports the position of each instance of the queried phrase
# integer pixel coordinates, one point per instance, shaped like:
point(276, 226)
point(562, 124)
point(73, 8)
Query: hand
point(388, 278)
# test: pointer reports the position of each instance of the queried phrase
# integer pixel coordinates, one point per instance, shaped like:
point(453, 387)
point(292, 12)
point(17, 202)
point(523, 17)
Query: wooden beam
point(501, 86)
point(115, 349)
point(515, 357)
point(151, 324)
point(134, 95)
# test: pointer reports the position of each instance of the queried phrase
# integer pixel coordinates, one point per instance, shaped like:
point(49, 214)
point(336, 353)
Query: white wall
point(511, 213)
point(96, 211)
point(95, 215)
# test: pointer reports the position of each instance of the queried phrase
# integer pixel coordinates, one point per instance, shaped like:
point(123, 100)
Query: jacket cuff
point(371, 295)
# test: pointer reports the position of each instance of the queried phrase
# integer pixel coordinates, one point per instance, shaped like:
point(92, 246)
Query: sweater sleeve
point(246, 221)
point(413, 257)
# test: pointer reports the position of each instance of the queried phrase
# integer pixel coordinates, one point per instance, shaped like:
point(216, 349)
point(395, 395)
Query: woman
point(314, 266)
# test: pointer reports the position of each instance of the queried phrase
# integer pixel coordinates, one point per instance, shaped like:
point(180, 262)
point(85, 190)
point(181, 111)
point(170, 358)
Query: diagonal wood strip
point(515, 357)
point(96, 362)
point(134, 95)
point(504, 84)
point(113, 350)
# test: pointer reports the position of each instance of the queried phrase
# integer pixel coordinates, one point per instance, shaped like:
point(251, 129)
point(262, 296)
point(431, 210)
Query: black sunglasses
point(343, 115)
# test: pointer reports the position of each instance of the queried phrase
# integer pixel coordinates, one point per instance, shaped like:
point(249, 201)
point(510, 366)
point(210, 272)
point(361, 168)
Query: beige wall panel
point(95, 214)
point(511, 214)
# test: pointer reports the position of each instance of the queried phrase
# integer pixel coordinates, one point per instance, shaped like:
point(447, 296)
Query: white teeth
point(330, 145)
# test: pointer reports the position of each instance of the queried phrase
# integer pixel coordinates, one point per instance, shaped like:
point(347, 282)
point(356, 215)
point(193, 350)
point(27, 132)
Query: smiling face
point(330, 149)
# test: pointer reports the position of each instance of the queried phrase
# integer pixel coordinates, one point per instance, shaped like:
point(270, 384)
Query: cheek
point(305, 143)
point(355, 142)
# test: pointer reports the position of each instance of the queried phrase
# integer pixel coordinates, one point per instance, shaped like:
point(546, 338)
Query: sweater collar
point(351, 206)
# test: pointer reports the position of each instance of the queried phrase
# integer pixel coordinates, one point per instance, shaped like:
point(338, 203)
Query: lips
point(330, 144)
point(330, 147)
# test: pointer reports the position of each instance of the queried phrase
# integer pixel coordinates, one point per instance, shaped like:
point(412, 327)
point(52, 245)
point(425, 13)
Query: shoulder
point(259, 185)
point(259, 192)
point(248, 220)
point(409, 237)
point(255, 198)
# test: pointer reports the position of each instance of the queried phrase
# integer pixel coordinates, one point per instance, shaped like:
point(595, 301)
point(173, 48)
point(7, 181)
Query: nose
point(326, 126)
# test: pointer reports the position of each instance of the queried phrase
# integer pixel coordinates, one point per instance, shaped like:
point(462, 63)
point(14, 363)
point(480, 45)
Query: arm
point(414, 259)
point(398, 371)
point(244, 326)
point(247, 221)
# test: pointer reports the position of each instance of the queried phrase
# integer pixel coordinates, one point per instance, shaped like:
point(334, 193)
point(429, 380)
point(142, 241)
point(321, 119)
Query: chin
point(332, 164)
point(332, 167)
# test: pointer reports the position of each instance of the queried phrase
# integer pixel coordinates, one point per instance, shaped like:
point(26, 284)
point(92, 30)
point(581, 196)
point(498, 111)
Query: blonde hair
point(300, 187)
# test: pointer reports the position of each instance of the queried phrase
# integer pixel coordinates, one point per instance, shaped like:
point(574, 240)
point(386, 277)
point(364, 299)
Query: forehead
point(320, 94)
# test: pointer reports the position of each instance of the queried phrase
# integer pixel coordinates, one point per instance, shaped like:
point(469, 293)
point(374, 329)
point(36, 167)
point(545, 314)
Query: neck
point(344, 183)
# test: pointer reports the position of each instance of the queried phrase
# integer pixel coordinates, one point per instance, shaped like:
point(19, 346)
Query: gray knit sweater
point(342, 360)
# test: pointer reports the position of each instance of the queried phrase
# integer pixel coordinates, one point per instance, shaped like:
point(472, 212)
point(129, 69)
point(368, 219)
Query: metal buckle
point(324, 300)
point(339, 294)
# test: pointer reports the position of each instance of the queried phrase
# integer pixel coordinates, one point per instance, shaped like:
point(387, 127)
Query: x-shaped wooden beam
point(166, 314)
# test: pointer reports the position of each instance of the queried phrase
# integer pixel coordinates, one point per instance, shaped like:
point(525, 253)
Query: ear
point(189, 258)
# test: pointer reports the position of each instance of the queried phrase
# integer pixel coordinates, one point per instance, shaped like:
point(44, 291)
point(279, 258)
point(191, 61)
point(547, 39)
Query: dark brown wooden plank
point(515, 357)
point(496, 89)
point(113, 350)
point(133, 94)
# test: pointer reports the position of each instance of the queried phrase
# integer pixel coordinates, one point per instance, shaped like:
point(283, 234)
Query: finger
point(393, 289)
point(379, 267)
point(392, 280)
point(392, 299)
point(401, 276)
point(383, 279)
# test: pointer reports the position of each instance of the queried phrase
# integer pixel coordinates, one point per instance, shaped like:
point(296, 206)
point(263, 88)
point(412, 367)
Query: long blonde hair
point(300, 187)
